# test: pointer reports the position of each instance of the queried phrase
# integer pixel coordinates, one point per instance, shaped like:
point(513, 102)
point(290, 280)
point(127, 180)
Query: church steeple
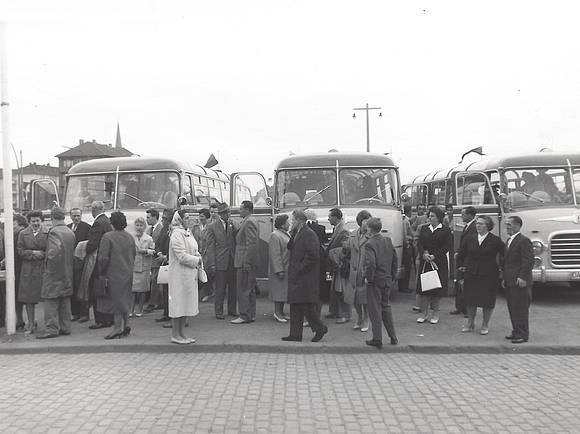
point(118, 143)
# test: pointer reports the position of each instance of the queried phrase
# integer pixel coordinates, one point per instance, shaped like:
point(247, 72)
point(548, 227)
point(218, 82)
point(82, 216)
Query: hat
point(223, 207)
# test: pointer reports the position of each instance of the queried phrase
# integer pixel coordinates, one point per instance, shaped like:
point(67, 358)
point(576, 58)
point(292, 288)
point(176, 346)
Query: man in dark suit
point(154, 228)
point(380, 269)
point(336, 306)
point(100, 227)
point(468, 217)
point(303, 275)
point(219, 261)
point(517, 279)
point(246, 263)
point(162, 256)
point(80, 309)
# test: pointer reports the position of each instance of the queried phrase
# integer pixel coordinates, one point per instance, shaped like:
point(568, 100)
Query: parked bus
point(351, 182)
point(542, 188)
point(135, 184)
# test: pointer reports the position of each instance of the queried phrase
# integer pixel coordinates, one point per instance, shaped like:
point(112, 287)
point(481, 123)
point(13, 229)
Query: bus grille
point(565, 250)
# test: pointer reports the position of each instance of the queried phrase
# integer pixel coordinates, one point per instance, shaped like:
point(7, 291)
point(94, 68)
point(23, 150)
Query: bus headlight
point(538, 247)
point(537, 262)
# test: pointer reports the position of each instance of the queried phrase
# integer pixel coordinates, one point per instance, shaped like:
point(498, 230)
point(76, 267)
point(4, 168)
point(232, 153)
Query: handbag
point(101, 287)
point(163, 275)
point(430, 279)
point(201, 274)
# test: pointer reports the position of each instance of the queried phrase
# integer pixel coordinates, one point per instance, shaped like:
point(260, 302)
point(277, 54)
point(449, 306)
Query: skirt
point(141, 281)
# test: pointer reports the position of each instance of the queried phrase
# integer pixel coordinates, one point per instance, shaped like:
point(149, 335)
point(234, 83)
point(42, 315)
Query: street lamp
point(366, 109)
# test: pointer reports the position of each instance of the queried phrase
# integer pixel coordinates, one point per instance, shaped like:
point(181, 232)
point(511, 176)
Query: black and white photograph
point(289, 216)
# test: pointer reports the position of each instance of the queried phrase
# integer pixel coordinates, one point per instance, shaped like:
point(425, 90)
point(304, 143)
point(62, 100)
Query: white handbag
point(163, 275)
point(201, 274)
point(430, 279)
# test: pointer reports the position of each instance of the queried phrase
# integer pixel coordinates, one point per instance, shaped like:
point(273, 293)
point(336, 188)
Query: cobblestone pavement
point(290, 393)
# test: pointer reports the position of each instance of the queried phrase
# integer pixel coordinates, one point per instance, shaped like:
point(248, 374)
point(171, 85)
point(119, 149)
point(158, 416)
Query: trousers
point(57, 313)
point(246, 286)
point(298, 311)
point(224, 281)
point(518, 301)
point(380, 312)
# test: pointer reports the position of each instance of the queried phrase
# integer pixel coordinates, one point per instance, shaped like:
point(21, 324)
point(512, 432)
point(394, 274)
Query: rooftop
point(94, 150)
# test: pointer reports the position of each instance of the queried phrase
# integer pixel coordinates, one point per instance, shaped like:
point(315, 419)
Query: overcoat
point(31, 270)
point(143, 263)
point(438, 243)
point(246, 253)
point(279, 257)
point(380, 261)
point(81, 232)
point(356, 290)
point(57, 280)
point(303, 267)
point(518, 261)
point(115, 260)
point(220, 246)
point(481, 277)
point(183, 274)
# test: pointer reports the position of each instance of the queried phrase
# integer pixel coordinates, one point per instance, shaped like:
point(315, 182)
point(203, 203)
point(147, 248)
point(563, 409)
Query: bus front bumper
point(543, 274)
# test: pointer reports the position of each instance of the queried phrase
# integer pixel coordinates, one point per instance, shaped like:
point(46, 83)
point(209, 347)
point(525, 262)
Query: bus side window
point(474, 189)
point(186, 185)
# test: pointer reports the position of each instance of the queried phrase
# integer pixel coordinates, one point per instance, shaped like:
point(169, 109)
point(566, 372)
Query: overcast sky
point(252, 81)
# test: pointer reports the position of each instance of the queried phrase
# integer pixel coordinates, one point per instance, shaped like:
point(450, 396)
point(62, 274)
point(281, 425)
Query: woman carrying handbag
point(435, 242)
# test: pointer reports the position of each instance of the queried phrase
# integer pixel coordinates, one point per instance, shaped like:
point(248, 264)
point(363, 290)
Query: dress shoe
point(484, 331)
point(394, 341)
point(163, 319)
point(190, 340)
point(83, 319)
point(357, 326)
point(455, 312)
point(364, 328)
point(434, 320)
point(98, 326)
point(167, 325)
point(179, 341)
point(319, 334)
point(280, 318)
point(292, 339)
point(467, 329)
point(220, 316)
point(115, 335)
point(63, 333)
point(416, 309)
point(421, 319)
point(47, 336)
point(519, 341)
point(331, 316)
point(205, 298)
point(374, 343)
point(286, 317)
point(239, 320)
point(510, 337)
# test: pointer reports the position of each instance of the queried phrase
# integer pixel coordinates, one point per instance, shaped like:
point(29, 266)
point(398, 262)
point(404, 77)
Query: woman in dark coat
point(435, 241)
point(20, 223)
point(31, 248)
point(115, 262)
point(479, 257)
point(303, 279)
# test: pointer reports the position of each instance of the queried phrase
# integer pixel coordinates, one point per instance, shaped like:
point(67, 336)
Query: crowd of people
point(172, 261)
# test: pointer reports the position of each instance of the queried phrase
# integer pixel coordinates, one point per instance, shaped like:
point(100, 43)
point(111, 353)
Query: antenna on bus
point(478, 150)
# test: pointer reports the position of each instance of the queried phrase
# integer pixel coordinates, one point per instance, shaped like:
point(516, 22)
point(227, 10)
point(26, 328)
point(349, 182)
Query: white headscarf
point(177, 222)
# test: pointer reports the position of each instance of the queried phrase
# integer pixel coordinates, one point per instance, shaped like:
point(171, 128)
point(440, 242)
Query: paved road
point(272, 393)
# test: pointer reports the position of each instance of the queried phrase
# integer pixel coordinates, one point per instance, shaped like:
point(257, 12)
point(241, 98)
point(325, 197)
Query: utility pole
point(8, 213)
point(366, 109)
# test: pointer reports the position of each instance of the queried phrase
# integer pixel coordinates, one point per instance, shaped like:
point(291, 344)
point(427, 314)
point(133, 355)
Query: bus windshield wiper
point(317, 193)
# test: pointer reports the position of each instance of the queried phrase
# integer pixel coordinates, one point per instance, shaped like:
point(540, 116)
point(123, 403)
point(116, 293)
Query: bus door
point(43, 194)
point(474, 189)
point(252, 186)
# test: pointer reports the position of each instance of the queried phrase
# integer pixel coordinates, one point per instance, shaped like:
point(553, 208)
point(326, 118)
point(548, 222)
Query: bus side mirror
point(269, 201)
point(182, 201)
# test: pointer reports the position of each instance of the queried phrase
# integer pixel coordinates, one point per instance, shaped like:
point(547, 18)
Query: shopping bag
point(163, 275)
point(430, 279)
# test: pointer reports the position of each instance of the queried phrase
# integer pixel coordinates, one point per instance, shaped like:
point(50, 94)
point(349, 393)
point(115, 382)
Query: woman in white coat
point(184, 259)
point(279, 255)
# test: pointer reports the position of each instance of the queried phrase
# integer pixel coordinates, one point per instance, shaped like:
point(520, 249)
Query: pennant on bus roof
point(211, 161)
point(478, 150)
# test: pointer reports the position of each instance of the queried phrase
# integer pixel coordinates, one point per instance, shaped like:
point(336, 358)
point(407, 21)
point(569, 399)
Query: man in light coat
point(57, 280)
point(246, 264)
point(337, 308)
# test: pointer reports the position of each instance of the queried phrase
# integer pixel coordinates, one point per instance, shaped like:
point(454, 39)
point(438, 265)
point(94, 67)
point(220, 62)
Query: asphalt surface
point(288, 393)
point(554, 327)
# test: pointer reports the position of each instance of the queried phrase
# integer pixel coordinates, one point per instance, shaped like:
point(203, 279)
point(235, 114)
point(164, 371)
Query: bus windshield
point(305, 187)
point(135, 190)
point(367, 185)
point(538, 187)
